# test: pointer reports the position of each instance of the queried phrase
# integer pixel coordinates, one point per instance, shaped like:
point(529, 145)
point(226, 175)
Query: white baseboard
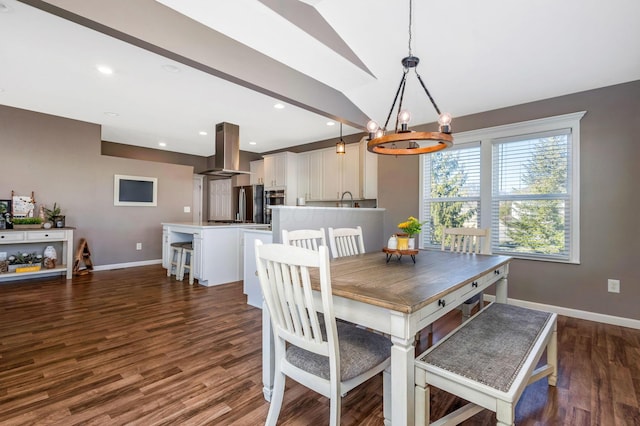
point(127, 265)
point(573, 313)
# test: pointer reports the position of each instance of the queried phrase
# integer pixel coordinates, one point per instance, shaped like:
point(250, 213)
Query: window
point(521, 180)
point(451, 191)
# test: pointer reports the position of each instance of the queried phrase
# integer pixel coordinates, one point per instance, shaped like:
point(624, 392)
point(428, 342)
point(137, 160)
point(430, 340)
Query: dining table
point(399, 298)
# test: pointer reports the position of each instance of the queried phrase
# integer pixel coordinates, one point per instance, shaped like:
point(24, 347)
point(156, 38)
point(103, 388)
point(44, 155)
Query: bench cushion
point(491, 347)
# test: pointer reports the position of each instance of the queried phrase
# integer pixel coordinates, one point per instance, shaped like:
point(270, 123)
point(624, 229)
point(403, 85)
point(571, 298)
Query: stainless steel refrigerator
point(249, 202)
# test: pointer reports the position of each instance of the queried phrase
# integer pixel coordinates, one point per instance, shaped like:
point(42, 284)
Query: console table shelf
point(19, 238)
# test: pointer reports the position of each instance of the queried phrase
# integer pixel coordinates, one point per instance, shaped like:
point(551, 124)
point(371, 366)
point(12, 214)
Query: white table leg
point(501, 290)
point(268, 354)
point(402, 381)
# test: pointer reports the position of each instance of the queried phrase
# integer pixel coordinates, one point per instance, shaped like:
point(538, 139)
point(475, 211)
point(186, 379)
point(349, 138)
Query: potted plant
point(27, 222)
point(53, 215)
point(410, 227)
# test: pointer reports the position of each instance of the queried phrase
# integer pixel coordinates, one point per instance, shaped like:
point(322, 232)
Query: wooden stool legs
point(186, 263)
point(175, 259)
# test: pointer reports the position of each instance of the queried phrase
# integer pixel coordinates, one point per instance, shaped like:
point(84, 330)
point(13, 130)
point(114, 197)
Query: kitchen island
point(217, 248)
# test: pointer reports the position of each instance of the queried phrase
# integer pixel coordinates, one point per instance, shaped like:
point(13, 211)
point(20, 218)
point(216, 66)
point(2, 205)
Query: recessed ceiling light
point(105, 69)
point(170, 68)
point(111, 114)
point(252, 143)
point(162, 144)
point(278, 106)
point(203, 133)
point(331, 123)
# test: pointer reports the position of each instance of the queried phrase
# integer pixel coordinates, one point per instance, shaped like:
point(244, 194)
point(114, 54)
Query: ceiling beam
point(159, 29)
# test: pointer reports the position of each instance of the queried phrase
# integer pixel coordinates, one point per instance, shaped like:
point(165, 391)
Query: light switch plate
point(187, 209)
point(613, 286)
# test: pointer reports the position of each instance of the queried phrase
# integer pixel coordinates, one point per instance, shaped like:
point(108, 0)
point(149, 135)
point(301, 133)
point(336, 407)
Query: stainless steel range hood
point(227, 157)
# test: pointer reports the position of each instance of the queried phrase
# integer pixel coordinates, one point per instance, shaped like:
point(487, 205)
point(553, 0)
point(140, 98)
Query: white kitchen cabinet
point(341, 172)
point(332, 180)
point(351, 170)
point(281, 172)
point(368, 172)
point(220, 200)
point(310, 175)
point(257, 172)
point(35, 240)
point(251, 284)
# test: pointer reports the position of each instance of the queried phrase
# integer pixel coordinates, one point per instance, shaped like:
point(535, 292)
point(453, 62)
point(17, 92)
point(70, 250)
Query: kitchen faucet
point(343, 194)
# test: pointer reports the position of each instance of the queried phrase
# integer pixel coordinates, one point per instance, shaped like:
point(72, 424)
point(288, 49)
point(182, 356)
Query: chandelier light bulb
point(444, 119)
point(445, 122)
point(372, 128)
point(403, 118)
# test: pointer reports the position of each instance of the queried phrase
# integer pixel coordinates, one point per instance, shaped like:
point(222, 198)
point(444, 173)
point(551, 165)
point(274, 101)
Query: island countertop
point(213, 225)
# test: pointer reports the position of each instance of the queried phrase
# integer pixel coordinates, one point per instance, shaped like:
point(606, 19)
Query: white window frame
point(486, 137)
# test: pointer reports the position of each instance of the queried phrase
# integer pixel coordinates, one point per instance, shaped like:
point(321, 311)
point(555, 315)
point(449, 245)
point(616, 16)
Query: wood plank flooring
point(134, 347)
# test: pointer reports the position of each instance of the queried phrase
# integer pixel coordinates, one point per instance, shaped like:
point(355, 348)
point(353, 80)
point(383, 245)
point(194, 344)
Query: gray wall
point(59, 159)
point(609, 202)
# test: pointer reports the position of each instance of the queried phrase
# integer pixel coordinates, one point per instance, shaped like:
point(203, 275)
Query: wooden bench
point(488, 361)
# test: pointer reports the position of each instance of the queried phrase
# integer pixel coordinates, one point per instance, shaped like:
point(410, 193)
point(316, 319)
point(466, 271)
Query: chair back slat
point(466, 240)
point(346, 241)
point(305, 238)
point(286, 285)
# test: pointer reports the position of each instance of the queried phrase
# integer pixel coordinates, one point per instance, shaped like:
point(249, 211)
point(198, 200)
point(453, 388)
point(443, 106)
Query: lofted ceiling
point(181, 66)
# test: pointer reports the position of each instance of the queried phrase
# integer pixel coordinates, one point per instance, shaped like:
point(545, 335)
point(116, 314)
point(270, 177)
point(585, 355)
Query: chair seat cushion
point(360, 350)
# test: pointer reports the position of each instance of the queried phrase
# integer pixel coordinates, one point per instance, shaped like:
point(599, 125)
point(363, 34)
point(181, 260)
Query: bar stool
point(175, 259)
point(186, 262)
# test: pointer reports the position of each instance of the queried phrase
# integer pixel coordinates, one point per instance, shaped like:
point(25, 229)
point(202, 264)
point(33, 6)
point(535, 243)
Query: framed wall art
point(23, 206)
point(135, 191)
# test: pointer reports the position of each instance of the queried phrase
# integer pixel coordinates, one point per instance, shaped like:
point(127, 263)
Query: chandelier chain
point(433, 102)
point(410, 26)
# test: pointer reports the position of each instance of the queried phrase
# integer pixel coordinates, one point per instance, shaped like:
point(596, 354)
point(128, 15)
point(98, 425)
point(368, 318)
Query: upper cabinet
point(257, 172)
point(310, 175)
point(280, 172)
point(341, 172)
point(324, 175)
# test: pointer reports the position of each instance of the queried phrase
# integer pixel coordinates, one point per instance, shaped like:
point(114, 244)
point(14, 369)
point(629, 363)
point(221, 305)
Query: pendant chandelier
point(340, 146)
point(403, 141)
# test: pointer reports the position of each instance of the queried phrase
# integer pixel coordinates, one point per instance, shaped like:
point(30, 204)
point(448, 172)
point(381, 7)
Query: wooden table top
point(407, 287)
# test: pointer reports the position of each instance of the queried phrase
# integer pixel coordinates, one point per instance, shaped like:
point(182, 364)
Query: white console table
point(35, 240)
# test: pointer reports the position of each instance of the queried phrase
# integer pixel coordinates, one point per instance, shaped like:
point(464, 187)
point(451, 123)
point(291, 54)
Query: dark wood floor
point(135, 347)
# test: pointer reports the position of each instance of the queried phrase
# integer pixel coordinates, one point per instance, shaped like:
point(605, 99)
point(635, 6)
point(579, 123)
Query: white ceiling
point(475, 56)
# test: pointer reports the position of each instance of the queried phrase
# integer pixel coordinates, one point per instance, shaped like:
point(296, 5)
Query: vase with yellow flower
point(410, 228)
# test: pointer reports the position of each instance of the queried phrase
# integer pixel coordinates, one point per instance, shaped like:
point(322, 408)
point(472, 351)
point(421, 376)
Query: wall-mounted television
point(135, 191)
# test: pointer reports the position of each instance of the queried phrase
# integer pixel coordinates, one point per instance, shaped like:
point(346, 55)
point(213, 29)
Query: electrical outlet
point(187, 209)
point(138, 246)
point(614, 286)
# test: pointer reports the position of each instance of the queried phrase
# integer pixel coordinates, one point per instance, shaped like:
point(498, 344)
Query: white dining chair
point(346, 241)
point(467, 240)
point(328, 357)
point(305, 238)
